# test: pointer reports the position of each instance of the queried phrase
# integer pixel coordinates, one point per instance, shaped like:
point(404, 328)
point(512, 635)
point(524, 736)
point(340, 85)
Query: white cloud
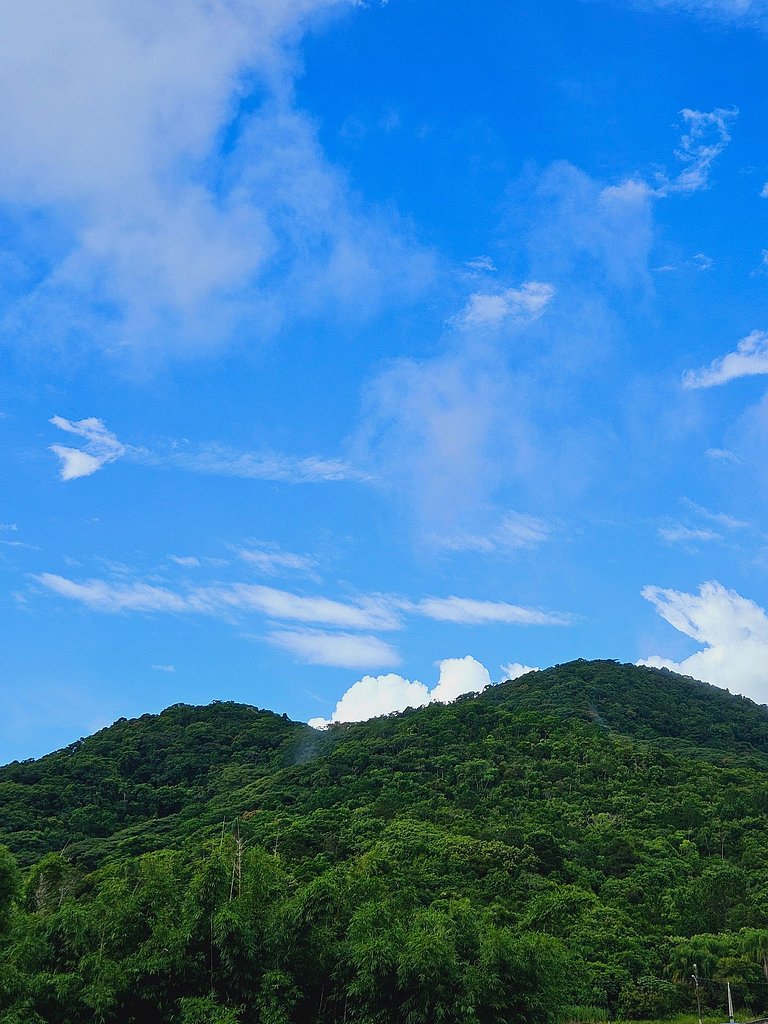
point(525, 304)
point(12, 527)
point(372, 696)
point(733, 630)
point(163, 668)
point(749, 359)
point(112, 124)
point(706, 137)
point(458, 676)
point(341, 650)
point(101, 448)
point(514, 670)
point(467, 611)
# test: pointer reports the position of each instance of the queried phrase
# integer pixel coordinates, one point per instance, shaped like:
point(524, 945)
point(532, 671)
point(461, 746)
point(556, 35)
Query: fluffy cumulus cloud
point(381, 695)
point(750, 359)
point(733, 630)
point(515, 669)
point(113, 124)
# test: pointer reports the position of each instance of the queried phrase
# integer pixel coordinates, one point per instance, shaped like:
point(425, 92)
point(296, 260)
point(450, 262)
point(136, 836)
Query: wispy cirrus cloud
point(706, 136)
point(217, 460)
point(102, 447)
point(515, 669)
point(339, 650)
point(272, 560)
point(686, 534)
point(468, 611)
point(515, 531)
point(222, 599)
point(492, 309)
point(748, 360)
point(369, 612)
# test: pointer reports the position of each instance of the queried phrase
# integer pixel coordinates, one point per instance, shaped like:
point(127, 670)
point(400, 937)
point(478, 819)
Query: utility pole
point(695, 977)
point(730, 1004)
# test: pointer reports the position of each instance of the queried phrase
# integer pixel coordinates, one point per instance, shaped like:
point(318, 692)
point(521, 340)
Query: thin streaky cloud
point(721, 518)
point(103, 447)
point(722, 455)
point(220, 600)
point(686, 534)
point(370, 613)
point(750, 359)
point(338, 650)
point(271, 560)
point(115, 597)
point(707, 135)
point(379, 613)
point(514, 531)
point(467, 611)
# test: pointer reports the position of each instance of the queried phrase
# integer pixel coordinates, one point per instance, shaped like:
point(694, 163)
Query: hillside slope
point(584, 834)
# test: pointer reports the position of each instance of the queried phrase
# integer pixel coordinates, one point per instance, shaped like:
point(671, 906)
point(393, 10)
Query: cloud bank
point(733, 629)
point(372, 696)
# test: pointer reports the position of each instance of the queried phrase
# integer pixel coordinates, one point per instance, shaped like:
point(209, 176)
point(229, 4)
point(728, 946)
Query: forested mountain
point(580, 836)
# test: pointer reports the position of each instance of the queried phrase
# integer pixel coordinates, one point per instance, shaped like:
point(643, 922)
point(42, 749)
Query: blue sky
point(355, 355)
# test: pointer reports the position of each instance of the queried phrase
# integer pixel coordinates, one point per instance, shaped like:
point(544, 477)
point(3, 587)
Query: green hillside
point(578, 837)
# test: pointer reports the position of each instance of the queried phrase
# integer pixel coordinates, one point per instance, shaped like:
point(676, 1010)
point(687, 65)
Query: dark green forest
point(578, 838)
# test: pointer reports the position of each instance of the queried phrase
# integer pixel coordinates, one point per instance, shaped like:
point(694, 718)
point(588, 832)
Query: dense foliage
point(582, 836)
